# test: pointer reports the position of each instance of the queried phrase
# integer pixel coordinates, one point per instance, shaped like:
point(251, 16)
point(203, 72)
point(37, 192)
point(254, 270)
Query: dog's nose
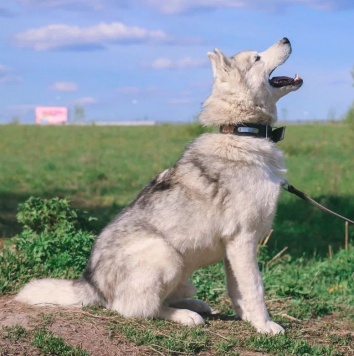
point(285, 40)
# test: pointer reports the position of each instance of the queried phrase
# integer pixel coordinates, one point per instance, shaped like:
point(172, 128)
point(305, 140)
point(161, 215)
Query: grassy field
point(102, 169)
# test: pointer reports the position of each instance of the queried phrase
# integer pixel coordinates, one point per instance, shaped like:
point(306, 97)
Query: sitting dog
point(215, 203)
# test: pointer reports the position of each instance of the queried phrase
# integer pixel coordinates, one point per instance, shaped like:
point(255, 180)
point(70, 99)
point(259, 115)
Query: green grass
point(49, 344)
point(283, 345)
point(171, 339)
point(101, 168)
point(309, 288)
point(43, 341)
point(162, 337)
point(319, 162)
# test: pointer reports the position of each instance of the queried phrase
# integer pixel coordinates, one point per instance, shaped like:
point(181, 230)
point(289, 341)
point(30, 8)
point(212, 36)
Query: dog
point(214, 204)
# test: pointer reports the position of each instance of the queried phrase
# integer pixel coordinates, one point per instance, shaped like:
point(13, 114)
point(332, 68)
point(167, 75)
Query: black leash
point(291, 189)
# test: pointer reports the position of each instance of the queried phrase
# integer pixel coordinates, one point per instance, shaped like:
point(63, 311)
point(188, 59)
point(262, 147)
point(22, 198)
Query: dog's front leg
point(244, 284)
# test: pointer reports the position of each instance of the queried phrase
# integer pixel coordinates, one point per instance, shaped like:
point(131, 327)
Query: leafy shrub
point(55, 242)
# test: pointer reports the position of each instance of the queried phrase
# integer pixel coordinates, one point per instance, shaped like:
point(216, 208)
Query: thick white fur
point(216, 203)
point(57, 291)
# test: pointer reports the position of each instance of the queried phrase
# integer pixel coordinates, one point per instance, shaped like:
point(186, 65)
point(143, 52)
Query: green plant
point(49, 344)
point(55, 242)
point(225, 347)
point(284, 345)
point(210, 282)
point(163, 337)
point(15, 333)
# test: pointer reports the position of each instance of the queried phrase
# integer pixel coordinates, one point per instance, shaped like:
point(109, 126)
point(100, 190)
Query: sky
point(129, 60)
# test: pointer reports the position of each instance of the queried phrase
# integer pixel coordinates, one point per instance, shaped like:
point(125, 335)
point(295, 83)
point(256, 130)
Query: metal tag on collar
point(278, 134)
point(246, 129)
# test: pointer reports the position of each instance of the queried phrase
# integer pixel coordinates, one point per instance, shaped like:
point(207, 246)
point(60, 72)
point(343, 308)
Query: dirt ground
point(72, 325)
point(77, 327)
point(80, 328)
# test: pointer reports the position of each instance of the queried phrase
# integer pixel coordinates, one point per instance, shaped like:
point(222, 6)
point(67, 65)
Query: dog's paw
point(191, 318)
point(188, 317)
point(182, 316)
point(269, 327)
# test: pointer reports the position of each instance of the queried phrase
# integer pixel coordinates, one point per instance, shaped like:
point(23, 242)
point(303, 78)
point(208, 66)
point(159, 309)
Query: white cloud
point(58, 36)
point(4, 70)
point(134, 90)
point(86, 100)
point(64, 86)
point(181, 6)
point(66, 4)
point(6, 75)
point(324, 5)
point(162, 63)
point(167, 63)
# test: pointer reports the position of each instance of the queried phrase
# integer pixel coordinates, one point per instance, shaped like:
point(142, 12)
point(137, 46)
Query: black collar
point(254, 130)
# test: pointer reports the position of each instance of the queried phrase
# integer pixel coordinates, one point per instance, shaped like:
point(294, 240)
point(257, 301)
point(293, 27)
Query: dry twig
point(277, 256)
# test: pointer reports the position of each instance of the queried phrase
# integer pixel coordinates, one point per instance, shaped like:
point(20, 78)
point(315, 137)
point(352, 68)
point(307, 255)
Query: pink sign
point(52, 115)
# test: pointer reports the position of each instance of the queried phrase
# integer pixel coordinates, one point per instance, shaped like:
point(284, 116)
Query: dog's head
point(243, 90)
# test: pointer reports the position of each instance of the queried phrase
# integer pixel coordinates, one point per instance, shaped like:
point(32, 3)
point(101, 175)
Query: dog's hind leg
point(192, 304)
point(144, 299)
point(150, 273)
point(247, 293)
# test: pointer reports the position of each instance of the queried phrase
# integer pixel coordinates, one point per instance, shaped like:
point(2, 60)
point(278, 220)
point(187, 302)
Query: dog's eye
point(257, 58)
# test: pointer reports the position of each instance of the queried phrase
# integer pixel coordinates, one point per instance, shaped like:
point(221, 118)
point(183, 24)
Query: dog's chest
point(200, 257)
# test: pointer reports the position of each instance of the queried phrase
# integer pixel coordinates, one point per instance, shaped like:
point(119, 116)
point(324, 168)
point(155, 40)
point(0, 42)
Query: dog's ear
point(220, 63)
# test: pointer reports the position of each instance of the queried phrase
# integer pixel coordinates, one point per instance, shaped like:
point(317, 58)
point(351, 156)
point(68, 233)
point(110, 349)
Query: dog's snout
point(285, 40)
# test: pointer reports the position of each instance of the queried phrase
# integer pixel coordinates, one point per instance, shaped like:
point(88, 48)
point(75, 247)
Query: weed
point(179, 339)
point(284, 345)
point(49, 344)
point(225, 347)
point(47, 319)
point(306, 309)
point(343, 340)
point(15, 333)
point(210, 282)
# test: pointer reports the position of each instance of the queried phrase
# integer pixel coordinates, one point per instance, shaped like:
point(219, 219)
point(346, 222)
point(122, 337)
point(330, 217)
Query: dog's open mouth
point(278, 82)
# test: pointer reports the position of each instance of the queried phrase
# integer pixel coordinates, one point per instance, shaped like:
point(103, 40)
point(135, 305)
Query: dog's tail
point(57, 292)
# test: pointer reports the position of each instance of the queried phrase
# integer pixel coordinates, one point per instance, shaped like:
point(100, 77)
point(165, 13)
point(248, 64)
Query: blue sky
point(147, 59)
